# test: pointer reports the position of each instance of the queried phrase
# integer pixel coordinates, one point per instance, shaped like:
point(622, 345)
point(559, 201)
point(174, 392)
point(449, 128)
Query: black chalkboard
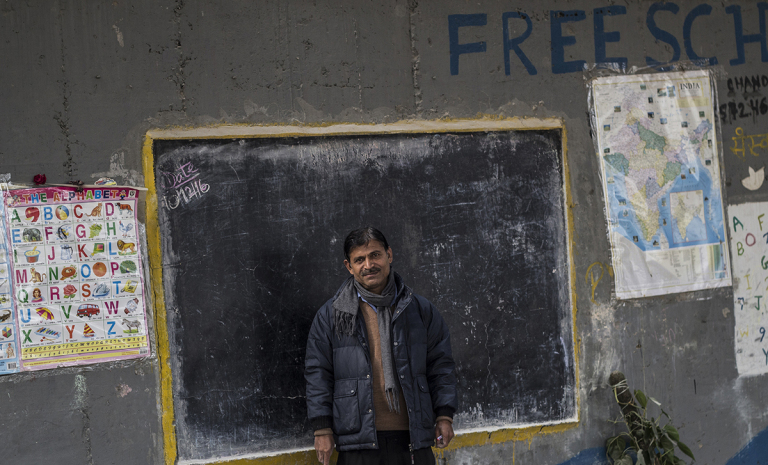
point(252, 232)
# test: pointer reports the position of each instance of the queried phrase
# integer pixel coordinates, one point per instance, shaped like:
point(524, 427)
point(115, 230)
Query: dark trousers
point(393, 450)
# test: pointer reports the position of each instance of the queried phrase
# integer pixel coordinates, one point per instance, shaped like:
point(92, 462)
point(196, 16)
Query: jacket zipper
point(363, 340)
point(410, 447)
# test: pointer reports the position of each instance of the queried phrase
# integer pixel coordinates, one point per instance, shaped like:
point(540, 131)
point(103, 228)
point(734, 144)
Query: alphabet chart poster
point(749, 249)
point(9, 341)
point(76, 273)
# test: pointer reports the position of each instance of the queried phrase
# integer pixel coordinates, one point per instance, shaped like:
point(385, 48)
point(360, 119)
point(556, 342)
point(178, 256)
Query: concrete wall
point(82, 82)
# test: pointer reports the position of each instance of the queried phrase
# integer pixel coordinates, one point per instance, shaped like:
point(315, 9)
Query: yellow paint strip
point(572, 274)
point(483, 123)
point(161, 323)
point(504, 435)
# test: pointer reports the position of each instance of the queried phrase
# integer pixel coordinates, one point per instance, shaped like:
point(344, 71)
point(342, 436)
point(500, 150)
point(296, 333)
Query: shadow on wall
point(755, 452)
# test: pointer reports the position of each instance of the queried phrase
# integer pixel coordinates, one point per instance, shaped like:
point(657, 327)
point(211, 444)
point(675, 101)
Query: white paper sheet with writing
point(749, 249)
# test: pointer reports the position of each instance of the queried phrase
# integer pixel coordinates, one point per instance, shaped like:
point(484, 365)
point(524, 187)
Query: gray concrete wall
point(82, 82)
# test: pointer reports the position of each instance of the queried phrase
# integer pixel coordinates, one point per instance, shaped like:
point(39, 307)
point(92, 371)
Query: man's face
point(369, 264)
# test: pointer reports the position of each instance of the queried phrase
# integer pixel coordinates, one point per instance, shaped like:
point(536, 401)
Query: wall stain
point(178, 76)
point(80, 403)
point(62, 117)
point(415, 60)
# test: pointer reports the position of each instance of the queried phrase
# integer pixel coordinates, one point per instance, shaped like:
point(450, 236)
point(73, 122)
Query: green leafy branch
point(652, 443)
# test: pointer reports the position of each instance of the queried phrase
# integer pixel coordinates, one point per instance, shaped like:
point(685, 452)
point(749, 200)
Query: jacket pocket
point(427, 411)
point(346, 414)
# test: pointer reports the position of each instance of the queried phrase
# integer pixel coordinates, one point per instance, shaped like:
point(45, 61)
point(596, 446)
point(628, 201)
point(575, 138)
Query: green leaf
point(672, 432)
point(640, 460)
point(615, 447)
point(667, 443)
point(625, 460)
point(686, 450)
point(641, 398)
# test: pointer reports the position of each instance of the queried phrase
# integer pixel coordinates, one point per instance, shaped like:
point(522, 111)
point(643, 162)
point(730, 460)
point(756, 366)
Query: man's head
point(368, 256)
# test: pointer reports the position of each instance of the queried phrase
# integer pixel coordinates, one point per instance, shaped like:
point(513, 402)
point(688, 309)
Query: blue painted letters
point(701, 10)
point(456, 49)
point(559, 41)
point(742, 39)
point(514, 44)
point(661, 34)
point(601, 37)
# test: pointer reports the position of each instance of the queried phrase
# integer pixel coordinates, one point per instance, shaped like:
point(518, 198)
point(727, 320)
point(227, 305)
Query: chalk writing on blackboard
point(183, 185)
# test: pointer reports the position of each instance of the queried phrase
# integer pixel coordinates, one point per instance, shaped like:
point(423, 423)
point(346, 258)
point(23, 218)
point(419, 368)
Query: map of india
point(661, 181)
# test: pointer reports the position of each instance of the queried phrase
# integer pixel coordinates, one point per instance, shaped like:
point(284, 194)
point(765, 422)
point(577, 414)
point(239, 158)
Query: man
point(379, 370)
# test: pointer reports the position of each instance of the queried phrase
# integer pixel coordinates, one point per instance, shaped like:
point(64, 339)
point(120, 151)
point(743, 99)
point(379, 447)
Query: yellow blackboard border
point(484, 123)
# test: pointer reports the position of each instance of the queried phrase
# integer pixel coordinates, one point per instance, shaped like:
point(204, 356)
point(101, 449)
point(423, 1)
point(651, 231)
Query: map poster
point(749, 249)
point(9, 340)
point(77, 279)
point(660, 175)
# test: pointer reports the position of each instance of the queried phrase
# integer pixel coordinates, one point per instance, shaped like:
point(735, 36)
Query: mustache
point(371, 271)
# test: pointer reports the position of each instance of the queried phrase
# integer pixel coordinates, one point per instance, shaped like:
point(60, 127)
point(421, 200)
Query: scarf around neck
point(345, 309)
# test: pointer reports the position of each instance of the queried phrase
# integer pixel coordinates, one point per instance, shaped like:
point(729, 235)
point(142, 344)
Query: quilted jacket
point(338, 373)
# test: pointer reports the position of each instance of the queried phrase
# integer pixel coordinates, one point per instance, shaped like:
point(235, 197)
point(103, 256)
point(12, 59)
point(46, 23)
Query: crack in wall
point(415, 60)
point(359, 73)
point(178, 77)
point(62, 117)
point(80, 404)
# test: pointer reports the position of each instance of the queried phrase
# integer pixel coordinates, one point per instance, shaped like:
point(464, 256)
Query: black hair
point(362, 236)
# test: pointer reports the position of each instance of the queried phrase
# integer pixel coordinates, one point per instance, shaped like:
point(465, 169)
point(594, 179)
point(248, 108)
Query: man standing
point(379, 370)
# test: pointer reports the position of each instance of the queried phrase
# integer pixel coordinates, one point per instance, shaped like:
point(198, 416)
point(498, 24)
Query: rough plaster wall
point(83, 81)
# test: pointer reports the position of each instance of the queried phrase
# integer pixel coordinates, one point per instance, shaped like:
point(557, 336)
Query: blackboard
point(252, 232)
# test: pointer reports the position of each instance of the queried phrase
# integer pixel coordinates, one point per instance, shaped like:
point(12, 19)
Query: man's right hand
point(324, 448)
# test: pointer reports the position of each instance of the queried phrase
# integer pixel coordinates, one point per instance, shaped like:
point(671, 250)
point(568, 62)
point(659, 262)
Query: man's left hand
point(443, 433)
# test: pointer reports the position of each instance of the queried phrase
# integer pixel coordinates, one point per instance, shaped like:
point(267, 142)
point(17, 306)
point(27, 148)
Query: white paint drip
point(81, 392)
point(117, 170)
point(119, 35)
point(606, 358)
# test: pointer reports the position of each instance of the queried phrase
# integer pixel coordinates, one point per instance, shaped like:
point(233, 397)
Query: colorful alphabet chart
point(9, 341)
point(749, 249)
point(76, 275)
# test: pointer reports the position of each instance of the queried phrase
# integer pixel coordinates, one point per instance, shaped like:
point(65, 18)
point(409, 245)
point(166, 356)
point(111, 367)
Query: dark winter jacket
point(338, 373)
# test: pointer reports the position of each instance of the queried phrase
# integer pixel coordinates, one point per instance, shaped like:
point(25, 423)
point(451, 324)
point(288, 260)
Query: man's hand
point(443, 433)
point(324, 447)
